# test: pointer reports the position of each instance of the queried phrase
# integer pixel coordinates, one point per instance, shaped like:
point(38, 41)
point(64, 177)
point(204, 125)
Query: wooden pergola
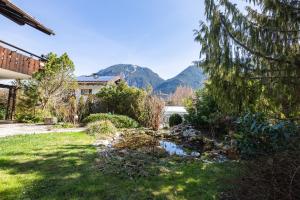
point(17, 63)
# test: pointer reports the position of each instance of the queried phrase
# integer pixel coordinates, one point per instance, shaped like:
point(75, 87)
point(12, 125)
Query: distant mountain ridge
point(134, 75)
point(142, 77)
point(192, 77)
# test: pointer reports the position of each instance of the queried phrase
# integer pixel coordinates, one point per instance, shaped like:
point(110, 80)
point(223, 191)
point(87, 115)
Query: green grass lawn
point(62, 166)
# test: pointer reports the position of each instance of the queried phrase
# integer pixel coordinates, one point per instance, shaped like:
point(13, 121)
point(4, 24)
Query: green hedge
point(119, 121)
point(28, 118)
point(175, 119)
point(2, 112)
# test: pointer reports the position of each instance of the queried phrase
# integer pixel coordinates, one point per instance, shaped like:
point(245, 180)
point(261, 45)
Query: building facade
point(170, 110)
point(92, 84)
point(15, 62)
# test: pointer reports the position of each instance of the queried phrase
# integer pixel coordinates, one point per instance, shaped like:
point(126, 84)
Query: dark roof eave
point(20, 17)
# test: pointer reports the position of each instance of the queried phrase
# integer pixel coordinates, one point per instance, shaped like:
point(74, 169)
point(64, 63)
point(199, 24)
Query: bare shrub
point(179, 96)
point(153, 111)
point(66, 111)
point(3, 96)
point(82, 109)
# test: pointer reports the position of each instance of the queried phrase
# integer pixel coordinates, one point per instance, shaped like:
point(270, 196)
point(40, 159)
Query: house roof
point(168, 110)
point(20, 17)
point(95, 78)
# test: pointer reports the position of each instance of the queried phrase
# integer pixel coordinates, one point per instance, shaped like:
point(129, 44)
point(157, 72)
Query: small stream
point(174, 149)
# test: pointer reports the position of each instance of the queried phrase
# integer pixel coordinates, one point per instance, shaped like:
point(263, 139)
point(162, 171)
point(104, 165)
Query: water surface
point(174, 149)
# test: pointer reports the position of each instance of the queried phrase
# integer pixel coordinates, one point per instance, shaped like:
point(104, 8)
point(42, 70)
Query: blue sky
point(98, 33)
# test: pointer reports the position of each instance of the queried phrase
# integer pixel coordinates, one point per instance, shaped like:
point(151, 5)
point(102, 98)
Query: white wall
point(95, 89)
point(170, 110)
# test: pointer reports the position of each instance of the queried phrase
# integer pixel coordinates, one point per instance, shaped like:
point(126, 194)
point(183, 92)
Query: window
point(86, 91)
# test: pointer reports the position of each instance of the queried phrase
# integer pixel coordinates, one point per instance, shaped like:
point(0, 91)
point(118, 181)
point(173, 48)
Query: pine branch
point(250, 50)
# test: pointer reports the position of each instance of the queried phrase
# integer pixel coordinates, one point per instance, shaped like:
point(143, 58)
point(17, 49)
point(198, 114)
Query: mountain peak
point(192, 77)
point(142, 77)
point(134, 75)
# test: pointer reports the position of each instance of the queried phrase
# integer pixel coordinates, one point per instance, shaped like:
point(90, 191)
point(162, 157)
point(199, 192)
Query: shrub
point(135, 103)
point(269, 177)
point(2, 112)
point(83, 108)
point(205, 114)
point(3, 103)
point(28, 118)
point(152, 112)
point(122, 99)
point(203, 111)
point(257, 136)
point(175, 119)
point(119, 121)
point(101, 128)
point(64, 125)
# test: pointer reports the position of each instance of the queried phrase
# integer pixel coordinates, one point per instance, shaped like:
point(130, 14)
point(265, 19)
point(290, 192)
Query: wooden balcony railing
point(14, 61)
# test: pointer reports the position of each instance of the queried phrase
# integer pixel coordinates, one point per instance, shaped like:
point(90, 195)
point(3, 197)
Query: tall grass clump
point(101, 128)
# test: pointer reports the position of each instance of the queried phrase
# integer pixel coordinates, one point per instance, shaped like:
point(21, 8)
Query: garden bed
point(136, 153)
point(66, 166)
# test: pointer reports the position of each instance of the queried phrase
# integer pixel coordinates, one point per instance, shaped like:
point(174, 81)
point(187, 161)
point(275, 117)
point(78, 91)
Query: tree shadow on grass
point(191, 180)
point(69, 172)
point(57, 172)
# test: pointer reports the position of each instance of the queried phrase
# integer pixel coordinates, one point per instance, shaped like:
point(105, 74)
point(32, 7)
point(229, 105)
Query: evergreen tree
point(55, 80)
point(49, 89)
point(29, 97)
point(252, 56)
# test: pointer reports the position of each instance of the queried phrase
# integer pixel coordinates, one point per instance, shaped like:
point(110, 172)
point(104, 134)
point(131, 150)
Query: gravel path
point(27, 129)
